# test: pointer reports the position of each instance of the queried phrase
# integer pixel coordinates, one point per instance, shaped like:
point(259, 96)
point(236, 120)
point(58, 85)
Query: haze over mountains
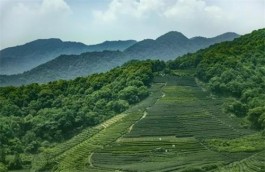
point(173, 44)
point(21, 58)
point(67, 67)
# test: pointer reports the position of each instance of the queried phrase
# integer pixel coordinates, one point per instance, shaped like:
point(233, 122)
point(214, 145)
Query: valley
point(132, 86)
point(200, 112)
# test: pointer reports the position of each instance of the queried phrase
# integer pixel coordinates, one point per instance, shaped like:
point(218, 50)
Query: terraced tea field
point(75, 154)
point(172, 135)
point(179, 127)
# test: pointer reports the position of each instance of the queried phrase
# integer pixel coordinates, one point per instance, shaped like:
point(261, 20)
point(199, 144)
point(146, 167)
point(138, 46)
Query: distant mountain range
point(172, 45)
point(67, 67)
point(165, 47)
point(22, 58)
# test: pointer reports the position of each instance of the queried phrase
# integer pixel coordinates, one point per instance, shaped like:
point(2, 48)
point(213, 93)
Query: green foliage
point(133, 94)
point(249, 143)
point(119, 105)
point(234, 69)
point(15, 163)
point(234, 106)
point(173, 134)
point(3, 168)
point(257, 116)
point(37, 116)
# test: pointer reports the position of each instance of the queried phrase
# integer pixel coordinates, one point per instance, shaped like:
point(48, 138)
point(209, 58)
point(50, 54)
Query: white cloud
point(92, 21)
point(129, 8)
point(54, 6)
point(140, 9)
point(185, 8)
point(153, 17)
point(194, 10)
point(28, 20)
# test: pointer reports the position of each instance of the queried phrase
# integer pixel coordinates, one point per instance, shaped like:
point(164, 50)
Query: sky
point(94, 21)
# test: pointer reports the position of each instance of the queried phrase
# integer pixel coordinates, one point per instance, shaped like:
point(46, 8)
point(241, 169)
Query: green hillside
point(36, 117)
point(201, 112)
point(173, 135)
point(234, 69)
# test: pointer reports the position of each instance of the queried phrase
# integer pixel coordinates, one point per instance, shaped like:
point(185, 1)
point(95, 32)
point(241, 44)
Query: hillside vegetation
point(234, 69)
point(200, 112)
point(36, 116)
point(184, 131)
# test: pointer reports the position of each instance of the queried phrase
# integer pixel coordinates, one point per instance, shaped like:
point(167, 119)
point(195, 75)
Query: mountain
point(173, 44)
point(111, 45)
point(202, 42)
point(67, 67)
point(165, 47)
point(22, 58)
point(203, 111)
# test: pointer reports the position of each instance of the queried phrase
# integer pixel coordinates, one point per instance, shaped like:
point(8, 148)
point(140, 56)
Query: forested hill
point(22, 58)
point(235, 69)
point(36, 116)
point(67, 67)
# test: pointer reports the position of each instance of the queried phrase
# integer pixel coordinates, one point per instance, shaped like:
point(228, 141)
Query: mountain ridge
point(173, 44)
point(165, 47)
point(21, 58)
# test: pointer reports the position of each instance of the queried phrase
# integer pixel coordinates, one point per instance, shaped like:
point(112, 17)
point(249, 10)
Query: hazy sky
point(94, 21)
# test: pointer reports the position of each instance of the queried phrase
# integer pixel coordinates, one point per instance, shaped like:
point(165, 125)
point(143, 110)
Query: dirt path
point(145, 112)
point(90, 160)
point(131, 127)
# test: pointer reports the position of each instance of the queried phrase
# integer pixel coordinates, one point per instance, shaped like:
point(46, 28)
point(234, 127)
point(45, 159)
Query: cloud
point(140, 9)
point(184, 8)
point(29, 19)
point(193, 9)
point(92, 21)
point(128, 8)
point(134, 17)
point(54, 6)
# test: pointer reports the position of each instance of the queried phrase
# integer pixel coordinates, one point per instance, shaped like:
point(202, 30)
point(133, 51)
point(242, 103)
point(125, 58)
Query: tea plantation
point(175, 135)
point(179, 127)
